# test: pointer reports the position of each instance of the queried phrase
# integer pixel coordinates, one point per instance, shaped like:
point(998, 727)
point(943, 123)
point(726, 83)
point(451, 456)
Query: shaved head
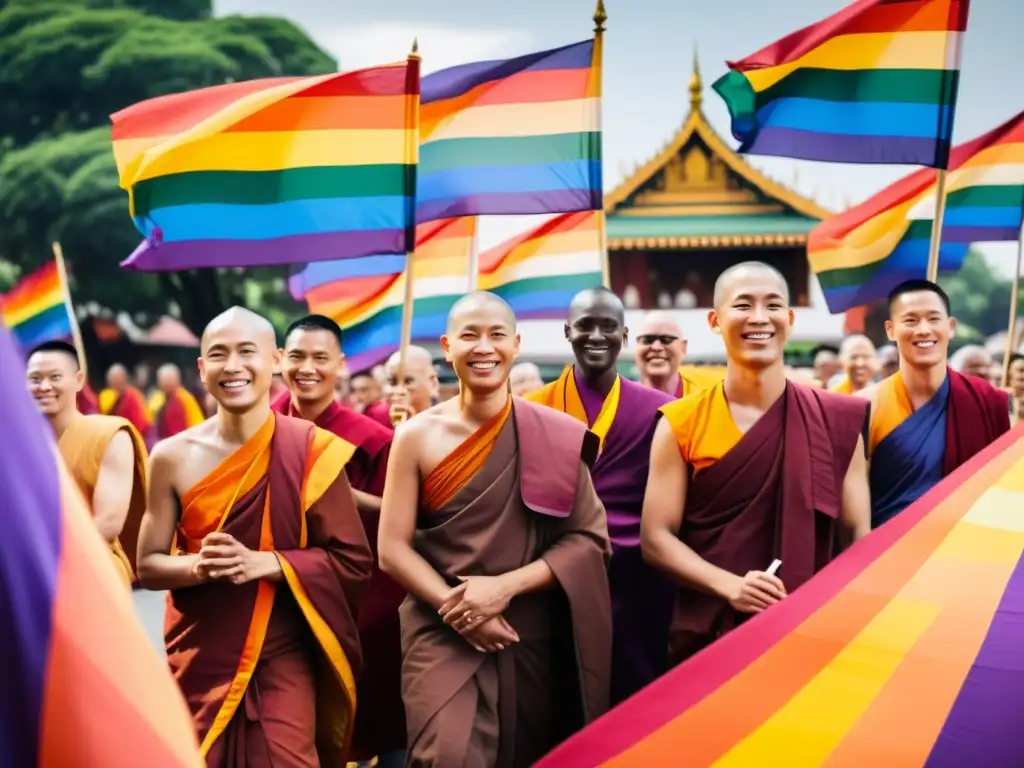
point(743, 271)
point(413, 354)
point(479, 300)
point(854, 342)
point(591, 298)
point(168, 377)
point(660, 322)
point(418, 385)
point(117, 376)
point(256, 327)
point(525, 378)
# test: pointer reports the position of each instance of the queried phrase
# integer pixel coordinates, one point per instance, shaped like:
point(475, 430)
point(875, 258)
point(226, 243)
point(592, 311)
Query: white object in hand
point(774, 567)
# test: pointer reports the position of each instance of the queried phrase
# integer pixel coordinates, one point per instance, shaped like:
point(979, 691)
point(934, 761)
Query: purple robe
point(642, 598)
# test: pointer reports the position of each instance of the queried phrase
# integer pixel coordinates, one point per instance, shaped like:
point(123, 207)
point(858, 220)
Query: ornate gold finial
point(600, 17)
point(696, 84)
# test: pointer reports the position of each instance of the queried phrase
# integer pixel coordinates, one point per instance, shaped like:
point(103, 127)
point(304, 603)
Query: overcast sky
point(649, 48)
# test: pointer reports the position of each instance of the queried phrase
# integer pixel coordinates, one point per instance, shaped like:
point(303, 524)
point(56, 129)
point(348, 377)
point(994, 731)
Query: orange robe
point(269, 669)
point(82, 447)
point(130, 405)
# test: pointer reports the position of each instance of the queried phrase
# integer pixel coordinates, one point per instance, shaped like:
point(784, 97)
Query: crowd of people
point(363, 568)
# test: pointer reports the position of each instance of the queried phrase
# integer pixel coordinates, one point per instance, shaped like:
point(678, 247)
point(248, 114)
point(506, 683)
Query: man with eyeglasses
point(660, 349)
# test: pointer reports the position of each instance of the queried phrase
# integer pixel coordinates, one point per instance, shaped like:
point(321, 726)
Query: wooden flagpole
point(1011, 331)
point(940, 212)
point(76, 332)
point(600, 17)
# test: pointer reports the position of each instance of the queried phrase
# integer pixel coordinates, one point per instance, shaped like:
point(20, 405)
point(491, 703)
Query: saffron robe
point(773, 492)
point(504, 710)
point(174, 414)
point(912, 450)
point(693, 379)
point(130, 405)
point(268, 670)
point(642, 597)
point(82, 447)
point(380, 719)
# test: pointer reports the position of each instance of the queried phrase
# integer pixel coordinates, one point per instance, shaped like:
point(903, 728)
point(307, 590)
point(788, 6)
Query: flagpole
point(474, 257)
point(600, 17)
point(940, 212)
point(1011, 331)
point(407, 300)
point(76, 332)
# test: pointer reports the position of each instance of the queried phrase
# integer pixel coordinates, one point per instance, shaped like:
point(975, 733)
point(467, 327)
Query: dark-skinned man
point(623, 414)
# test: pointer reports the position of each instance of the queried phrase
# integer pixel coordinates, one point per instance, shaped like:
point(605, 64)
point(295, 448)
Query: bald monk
point(105, 454)
point(525, 378)
point(120, 398)
point(367, 399)
point(926, 419)
point(311, 363)
point(623, 415)
point(660, 351)
point(174, 408)
point(490, 520)
point(860, 364)
point(418, 389)
point(755, 469)
point(972, 360)
point(253, 528)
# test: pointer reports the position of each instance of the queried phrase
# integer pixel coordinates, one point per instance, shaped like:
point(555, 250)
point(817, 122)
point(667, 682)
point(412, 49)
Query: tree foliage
point(65, 66)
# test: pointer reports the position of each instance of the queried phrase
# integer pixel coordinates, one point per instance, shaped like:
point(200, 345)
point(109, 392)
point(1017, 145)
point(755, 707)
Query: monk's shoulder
point(570, 433)
point(644, 397)
point(684, 410)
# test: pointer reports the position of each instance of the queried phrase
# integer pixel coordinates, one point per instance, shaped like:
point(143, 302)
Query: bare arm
point(113, 493)
point(662, 517)
point(856, 510)
point(367, 502)
point(395, 551)
point(157, 568)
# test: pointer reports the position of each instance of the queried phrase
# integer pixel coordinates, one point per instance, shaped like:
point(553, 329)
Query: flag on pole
point(36, 309)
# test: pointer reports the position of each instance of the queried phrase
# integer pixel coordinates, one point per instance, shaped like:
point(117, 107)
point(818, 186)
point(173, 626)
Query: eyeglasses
point(649, 338)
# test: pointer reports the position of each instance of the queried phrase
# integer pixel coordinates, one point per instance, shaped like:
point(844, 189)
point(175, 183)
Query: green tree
point(980, 299)
point(65, 66)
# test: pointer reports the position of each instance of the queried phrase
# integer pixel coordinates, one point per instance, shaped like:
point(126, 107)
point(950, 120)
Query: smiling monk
point(755, 469)
point(860, 364)
point(311, 366)
point(623, 415)
point(253, 527)
point(926, 419)
point(491, 522)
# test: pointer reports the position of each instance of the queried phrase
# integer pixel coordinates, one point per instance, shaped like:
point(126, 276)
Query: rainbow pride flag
point(874, 83)
point(905, 651)
point(516, 136)
point(82, 686)
point(370, 315)
point(36, 309)
point(274, 171)
point(540, 271)
point(863, 253)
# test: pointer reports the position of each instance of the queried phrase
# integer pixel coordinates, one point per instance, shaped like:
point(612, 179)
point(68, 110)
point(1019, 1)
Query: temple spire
point(696, 84)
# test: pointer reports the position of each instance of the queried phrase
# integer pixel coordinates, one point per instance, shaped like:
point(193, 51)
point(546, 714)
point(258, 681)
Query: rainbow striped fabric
point(82, 685)
point(275, 171)
point(36, 309)
point(540, 271)
point(874, 83)
point(863, 253)
point(905, 651)
point(517, 136)
point(367, 301)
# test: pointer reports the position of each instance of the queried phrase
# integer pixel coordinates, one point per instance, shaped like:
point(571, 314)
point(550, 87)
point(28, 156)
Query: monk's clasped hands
point(474, 608)
point(223, 557)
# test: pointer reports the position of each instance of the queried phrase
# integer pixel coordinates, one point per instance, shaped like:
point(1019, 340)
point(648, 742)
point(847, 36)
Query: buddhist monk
point(926, 419)
point(311, 362)
point(755, 469)
point(623, 415)
point(826, 363)
point(525, 378)
point(367, 399)
point(174, 408)
point(253, 528)
point(105, 454)
point(660, 350)
point(888, 361)
point(418, 389)
point(122, 399)
point(972, 360)
point(860, 364)
point(491, 521)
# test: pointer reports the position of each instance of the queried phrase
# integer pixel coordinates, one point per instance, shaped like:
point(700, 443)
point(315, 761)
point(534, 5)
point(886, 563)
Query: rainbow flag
point(36, 309)
point(274, 171)
point(82, 686)
point(905, 651)
point(372, 321)
point(516, 136)
point(874, 83)
point(540, 271)
point(863, 253)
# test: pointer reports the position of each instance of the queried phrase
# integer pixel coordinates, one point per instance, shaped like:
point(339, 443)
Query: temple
point(678, 220)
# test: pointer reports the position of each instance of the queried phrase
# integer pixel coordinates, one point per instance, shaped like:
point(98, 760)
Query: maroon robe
point(380, 717)
point(776, 494)
point(507, 709)
point(86, 401)
point(379, 412)
point(978, 413)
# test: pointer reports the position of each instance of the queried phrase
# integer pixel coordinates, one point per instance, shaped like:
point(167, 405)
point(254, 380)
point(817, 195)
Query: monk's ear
point(519, 343)
point(79, 380)
point(202, 369)
point(566, 330)
point(792, 317)
point(713, 323)
point(889, 334)
point(952, 327)
point(446, 347)
point(625, 336)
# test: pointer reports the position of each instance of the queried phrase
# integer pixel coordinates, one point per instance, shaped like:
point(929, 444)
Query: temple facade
point(680, 219)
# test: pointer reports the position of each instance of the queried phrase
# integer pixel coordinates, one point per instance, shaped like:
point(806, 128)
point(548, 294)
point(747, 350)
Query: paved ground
point(150, 606)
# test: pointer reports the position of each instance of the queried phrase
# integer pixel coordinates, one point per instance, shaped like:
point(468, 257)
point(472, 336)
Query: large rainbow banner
point(908, 650)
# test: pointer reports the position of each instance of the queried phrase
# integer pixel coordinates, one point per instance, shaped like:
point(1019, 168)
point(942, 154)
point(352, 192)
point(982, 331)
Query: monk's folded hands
point(475, 600)
point(224, 558)
point(491, 636)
